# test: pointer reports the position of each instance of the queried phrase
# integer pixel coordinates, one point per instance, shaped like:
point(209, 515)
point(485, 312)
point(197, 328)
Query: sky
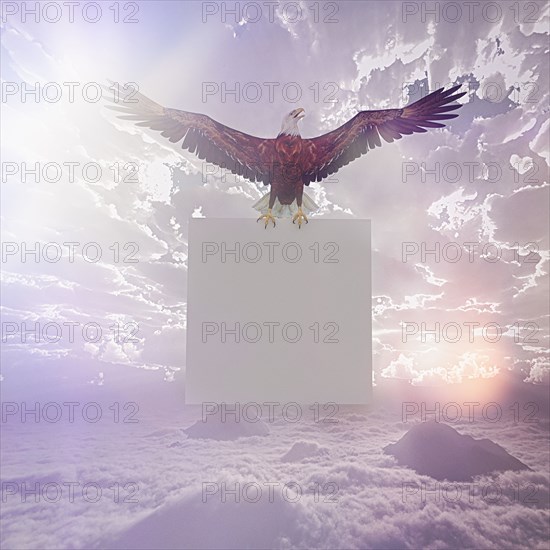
point(459, 216)
point(482, 180)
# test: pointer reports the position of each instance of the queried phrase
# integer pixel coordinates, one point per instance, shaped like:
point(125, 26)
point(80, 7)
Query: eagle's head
point(290, 122)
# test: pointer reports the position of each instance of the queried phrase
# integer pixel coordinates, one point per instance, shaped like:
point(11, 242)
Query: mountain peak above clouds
point(439, 451)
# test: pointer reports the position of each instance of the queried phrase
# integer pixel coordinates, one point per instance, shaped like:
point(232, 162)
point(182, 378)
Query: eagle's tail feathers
point(286, 210)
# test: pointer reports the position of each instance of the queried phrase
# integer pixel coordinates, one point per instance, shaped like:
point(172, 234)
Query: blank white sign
point(279, 314)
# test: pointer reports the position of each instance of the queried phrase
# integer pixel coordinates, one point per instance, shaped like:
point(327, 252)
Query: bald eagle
point(288, 162)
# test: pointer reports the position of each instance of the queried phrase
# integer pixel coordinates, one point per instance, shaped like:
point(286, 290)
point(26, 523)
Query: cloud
point(402, 367)
point(365, 56)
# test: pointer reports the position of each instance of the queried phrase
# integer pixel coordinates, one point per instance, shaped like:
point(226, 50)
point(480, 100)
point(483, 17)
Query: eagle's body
point(289, 162)
point(287, 183)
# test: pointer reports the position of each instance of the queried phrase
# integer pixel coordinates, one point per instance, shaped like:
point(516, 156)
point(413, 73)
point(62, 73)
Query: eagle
point(288, 162)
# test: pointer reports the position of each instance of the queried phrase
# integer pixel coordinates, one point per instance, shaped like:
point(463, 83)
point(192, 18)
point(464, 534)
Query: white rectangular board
point(279, 314)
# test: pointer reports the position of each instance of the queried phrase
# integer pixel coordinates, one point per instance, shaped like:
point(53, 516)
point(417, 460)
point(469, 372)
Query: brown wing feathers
point(241, 153)
point(328, 153)
point(253, 157)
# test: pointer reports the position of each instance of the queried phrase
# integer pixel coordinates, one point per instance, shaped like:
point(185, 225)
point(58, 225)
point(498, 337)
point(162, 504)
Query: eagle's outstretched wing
point(326, 154)
point(241, 153)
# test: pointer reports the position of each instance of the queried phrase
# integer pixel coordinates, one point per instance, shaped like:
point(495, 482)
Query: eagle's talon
point(268, 218)
point(301, 217)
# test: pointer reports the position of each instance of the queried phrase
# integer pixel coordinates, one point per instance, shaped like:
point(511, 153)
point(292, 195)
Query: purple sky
point(479, 185)
point(484, 178)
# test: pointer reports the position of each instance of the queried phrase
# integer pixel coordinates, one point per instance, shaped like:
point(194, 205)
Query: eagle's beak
point(300, 113)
